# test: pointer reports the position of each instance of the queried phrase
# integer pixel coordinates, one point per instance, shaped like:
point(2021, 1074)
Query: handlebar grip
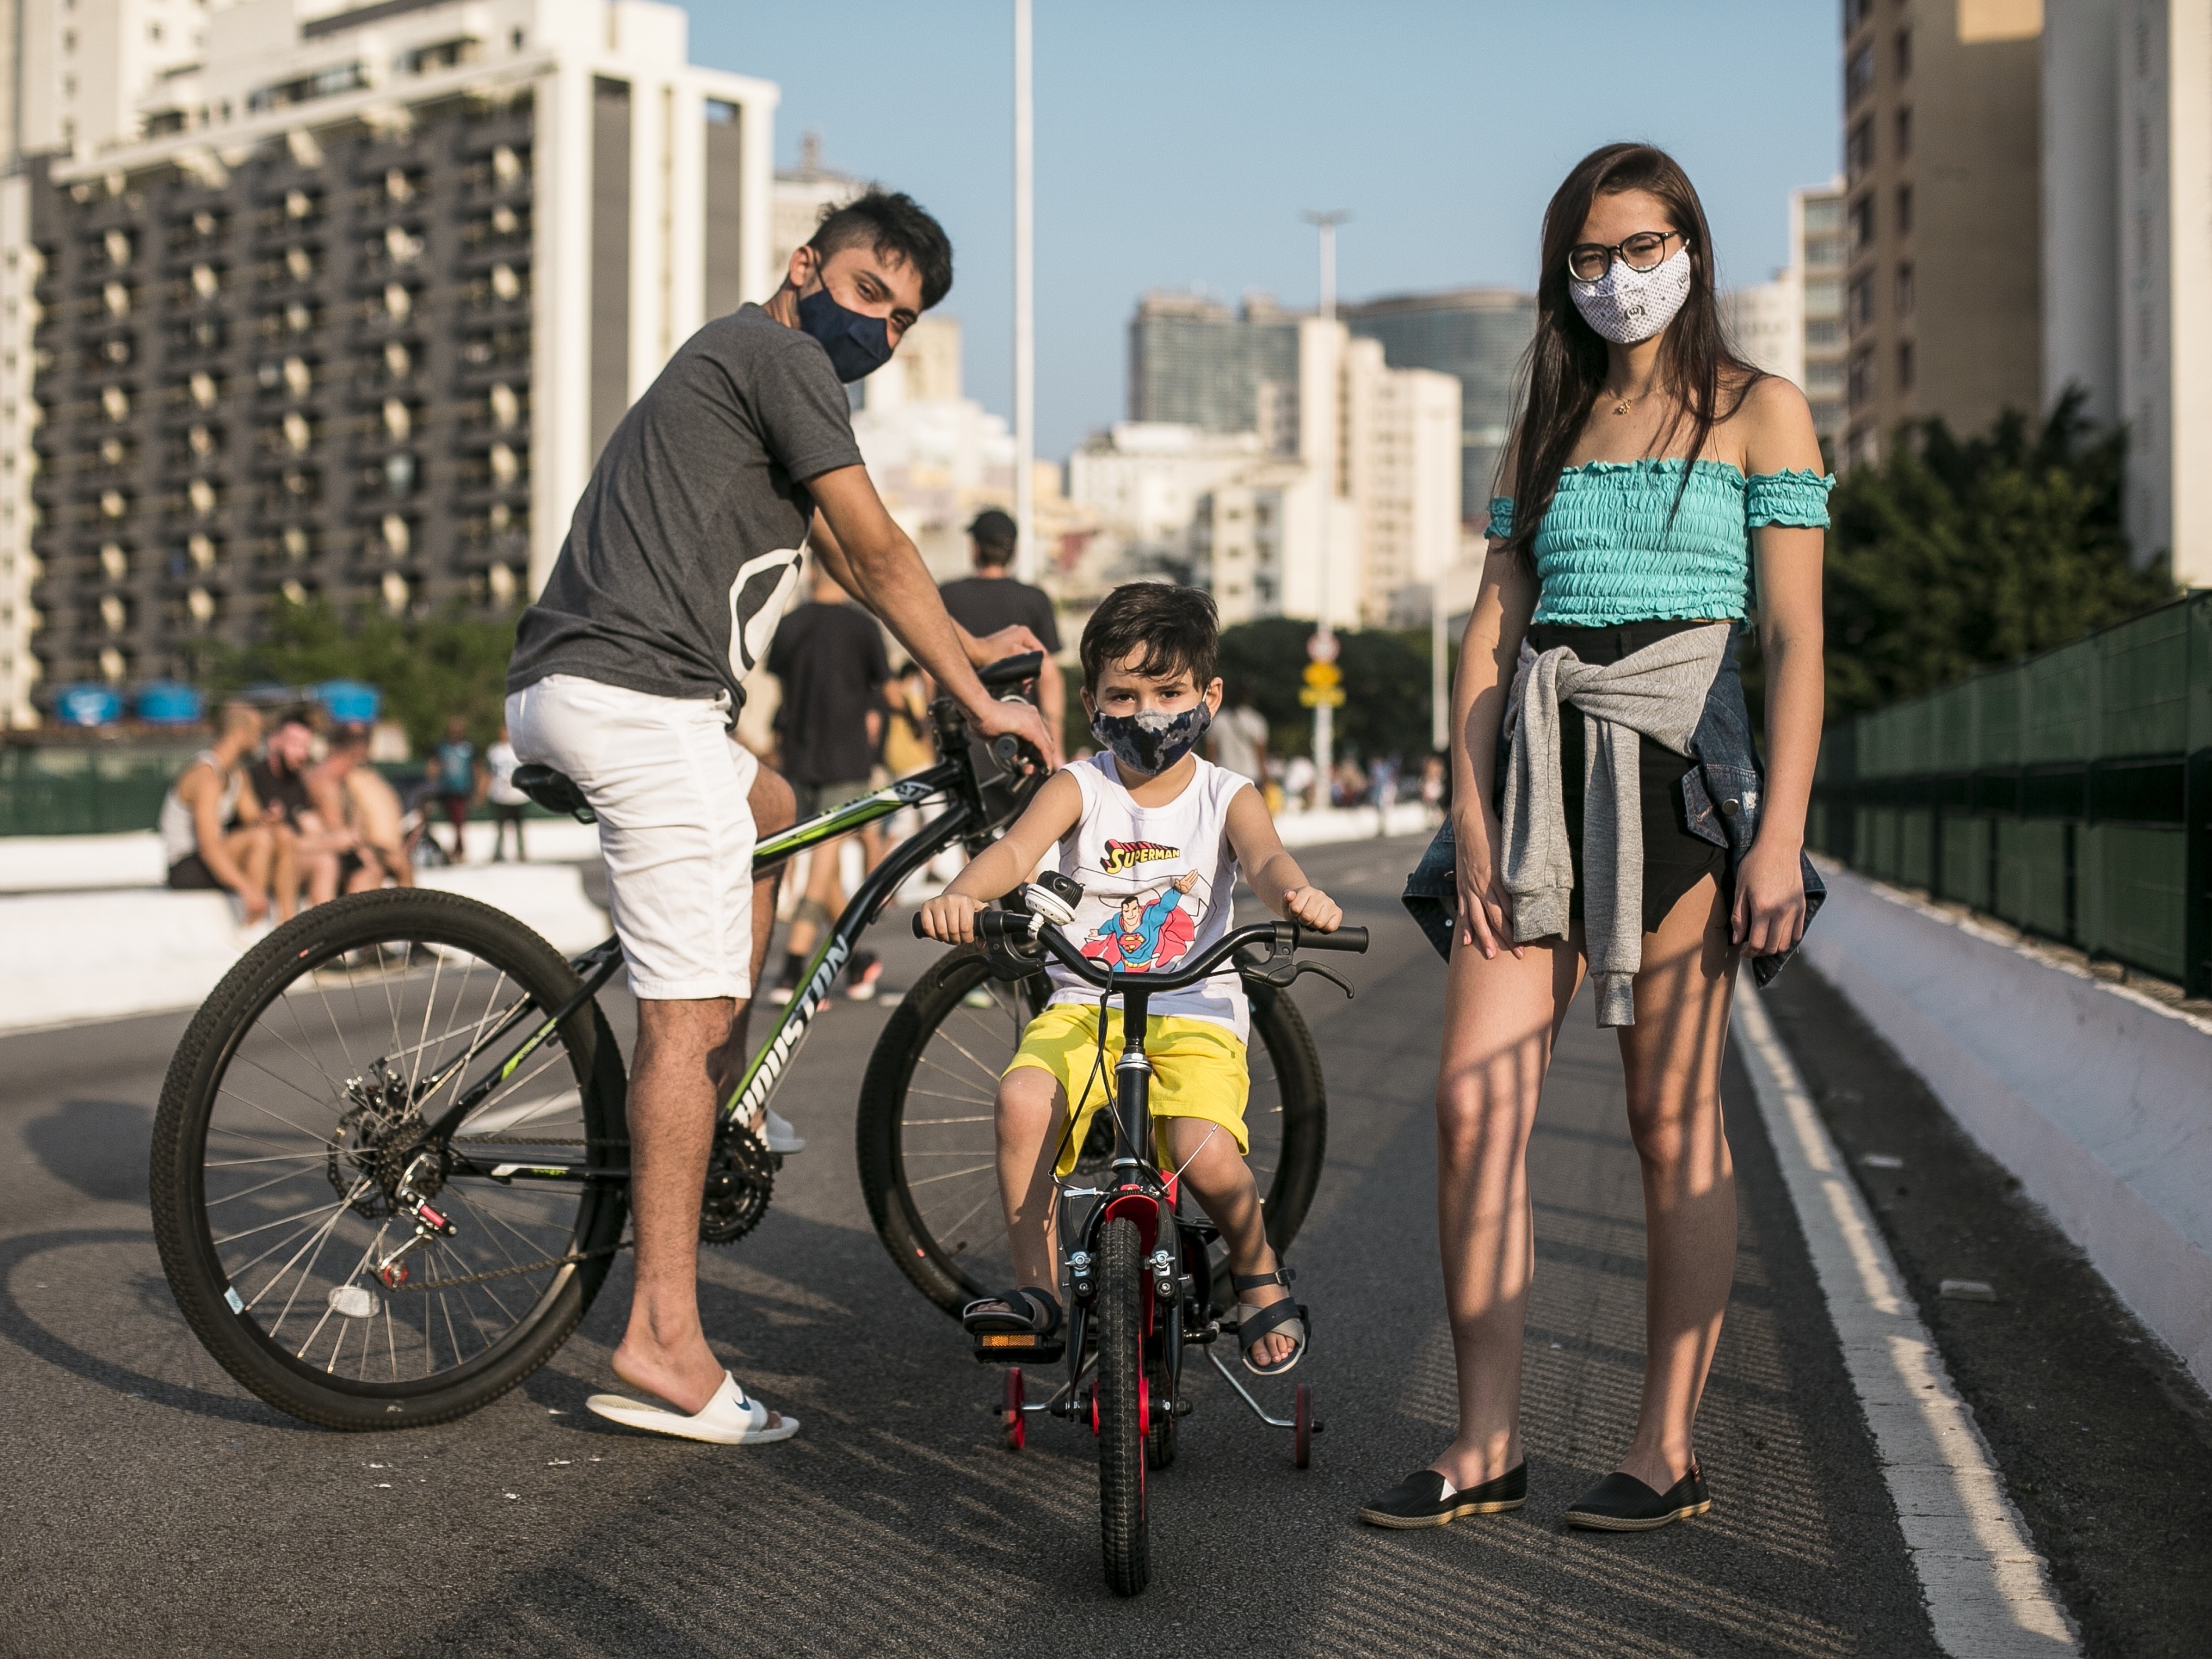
point(918, 931)
point(1352, 940)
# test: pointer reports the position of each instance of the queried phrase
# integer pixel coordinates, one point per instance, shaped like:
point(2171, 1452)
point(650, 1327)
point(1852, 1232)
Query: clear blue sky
point(1177, 143)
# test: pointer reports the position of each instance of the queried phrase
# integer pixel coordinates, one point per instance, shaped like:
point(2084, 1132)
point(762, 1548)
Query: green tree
point(1386, 685)
point(428, 668)
point(1955, 554)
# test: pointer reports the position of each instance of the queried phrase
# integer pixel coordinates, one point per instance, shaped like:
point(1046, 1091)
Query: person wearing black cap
point(991, 599)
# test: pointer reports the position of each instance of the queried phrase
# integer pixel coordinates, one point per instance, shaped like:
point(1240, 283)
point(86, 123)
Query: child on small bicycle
point(1155, 836)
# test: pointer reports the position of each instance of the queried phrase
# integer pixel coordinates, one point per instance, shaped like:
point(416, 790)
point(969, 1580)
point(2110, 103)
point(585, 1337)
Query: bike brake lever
point(1305, 967)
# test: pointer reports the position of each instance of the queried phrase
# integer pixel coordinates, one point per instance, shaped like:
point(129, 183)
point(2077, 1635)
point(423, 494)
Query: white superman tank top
point(1158, 885)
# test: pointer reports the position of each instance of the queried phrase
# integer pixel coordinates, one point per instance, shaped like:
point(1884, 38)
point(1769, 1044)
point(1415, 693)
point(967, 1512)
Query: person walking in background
point(507, 801)
point(991, 599)
point(1661, 865)
point(1238, 740)
point(213, 838)
point(830, 655)
point(453, 778)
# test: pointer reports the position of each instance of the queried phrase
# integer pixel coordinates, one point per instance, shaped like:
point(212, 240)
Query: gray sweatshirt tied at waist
point(1659, 691)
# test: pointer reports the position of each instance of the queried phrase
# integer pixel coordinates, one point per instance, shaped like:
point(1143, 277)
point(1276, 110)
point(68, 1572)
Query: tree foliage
point(1386, 686)
point(1953, 554)
point(428, 668)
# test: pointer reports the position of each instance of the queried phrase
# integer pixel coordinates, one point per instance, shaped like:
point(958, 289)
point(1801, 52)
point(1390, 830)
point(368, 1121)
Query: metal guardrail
point(2069, 794)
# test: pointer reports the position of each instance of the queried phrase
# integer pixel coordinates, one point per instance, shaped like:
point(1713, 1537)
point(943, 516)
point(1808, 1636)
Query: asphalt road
point(152, 1507)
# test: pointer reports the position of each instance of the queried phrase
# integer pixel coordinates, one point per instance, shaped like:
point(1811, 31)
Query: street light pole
point(1025, 556)
point(1322, 648)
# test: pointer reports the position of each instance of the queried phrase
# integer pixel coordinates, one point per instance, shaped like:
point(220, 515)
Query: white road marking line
point(1986, 1587)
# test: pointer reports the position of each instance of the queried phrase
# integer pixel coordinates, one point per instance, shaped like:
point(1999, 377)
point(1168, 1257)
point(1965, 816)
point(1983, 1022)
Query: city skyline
point(933, 115)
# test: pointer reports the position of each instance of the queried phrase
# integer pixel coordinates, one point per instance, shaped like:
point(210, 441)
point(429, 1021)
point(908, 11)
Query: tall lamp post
point(1324, 689)
point(1025, 556)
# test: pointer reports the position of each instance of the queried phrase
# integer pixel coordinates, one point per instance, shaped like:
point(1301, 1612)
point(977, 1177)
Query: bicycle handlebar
point(1013, 928)
point(1011, 671)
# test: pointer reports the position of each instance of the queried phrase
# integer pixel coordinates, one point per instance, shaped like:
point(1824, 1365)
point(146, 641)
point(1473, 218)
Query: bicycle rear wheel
point(284, 1122)
point(927, 1145)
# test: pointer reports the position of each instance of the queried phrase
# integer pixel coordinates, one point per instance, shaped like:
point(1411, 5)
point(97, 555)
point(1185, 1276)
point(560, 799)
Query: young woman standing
point(1610, 813)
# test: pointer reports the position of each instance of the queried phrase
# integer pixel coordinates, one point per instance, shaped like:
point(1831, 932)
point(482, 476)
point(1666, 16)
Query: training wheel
point(1302, 1426)
point(1011, 1412)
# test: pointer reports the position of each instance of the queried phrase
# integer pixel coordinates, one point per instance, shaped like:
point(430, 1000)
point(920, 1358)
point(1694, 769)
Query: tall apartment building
point(1942, 214)
point(1478, 336)
point(1193, 361)
point(1816, 246)
point(1793, 326)
point(1339, 496)
point(338, 304)
point(2127, 252)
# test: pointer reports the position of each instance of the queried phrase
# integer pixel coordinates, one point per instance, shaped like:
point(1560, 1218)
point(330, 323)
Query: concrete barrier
point(85, 956)
point(2098, 1098)
point(64, 864)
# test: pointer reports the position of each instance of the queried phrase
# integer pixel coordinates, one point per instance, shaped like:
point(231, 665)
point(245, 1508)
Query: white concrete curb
point(76, 957)
point(1986, 1587)
point(62, 864)
point(2099, 1099)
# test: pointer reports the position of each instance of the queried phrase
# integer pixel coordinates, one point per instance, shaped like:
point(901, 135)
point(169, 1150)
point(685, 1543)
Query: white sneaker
point(778, 1136)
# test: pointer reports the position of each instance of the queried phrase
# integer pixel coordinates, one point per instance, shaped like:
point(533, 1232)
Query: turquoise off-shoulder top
point(1606, 553)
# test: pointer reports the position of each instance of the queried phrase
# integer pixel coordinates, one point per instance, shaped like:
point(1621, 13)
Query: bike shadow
point(151, 1320)
point(97, 1147)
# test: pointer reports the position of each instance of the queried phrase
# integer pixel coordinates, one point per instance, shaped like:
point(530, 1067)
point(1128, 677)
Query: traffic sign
point(1321, 696)
point(1322, 648)
point(1323, 674)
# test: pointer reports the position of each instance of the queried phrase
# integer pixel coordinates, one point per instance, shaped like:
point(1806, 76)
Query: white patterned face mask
point(1627, 306)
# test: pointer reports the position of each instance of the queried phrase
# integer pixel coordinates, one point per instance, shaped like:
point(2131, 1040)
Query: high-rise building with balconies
point(1942, 289)
point(340, 304)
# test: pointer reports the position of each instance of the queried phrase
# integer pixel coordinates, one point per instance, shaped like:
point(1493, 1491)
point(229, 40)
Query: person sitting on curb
point(212, 837)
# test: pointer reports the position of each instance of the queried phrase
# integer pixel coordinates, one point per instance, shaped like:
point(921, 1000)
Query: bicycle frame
point(965, 819)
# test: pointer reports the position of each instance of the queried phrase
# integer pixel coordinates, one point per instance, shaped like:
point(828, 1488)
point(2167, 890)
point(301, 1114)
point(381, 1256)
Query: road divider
point(87, 956)
point(2096, 1098)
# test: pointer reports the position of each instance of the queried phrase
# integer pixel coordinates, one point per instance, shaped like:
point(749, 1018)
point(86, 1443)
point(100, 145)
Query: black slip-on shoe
point(1425, 1498)
point(1621, 1503)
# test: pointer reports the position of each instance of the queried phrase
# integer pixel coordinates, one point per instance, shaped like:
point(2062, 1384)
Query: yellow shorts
point(1198, 1070)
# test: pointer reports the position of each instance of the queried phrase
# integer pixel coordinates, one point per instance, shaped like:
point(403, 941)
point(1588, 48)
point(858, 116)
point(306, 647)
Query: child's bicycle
point(391, 1165)
point(1141, 1281)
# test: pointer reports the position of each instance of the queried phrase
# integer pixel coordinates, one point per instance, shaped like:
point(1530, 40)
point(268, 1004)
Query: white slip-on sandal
point(731, 1418)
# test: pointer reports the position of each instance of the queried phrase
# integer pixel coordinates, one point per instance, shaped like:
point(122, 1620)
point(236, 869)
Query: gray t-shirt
point(687, 541)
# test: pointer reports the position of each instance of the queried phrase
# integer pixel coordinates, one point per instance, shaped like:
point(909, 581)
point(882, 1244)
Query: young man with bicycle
point(628, 673)
point(1155, 836)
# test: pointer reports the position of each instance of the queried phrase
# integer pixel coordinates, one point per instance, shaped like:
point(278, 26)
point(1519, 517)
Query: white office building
point(2127, 251)
point(302, 302)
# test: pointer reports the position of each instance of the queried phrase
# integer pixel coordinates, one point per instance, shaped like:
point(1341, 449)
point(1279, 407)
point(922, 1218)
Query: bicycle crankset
point(741, 1177)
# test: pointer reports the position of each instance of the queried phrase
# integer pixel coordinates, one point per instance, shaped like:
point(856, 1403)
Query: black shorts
point(1675, 859)
point(190, 874)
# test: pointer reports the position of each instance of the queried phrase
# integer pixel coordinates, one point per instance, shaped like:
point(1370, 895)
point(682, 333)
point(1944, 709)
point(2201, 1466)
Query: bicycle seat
point(555, 791)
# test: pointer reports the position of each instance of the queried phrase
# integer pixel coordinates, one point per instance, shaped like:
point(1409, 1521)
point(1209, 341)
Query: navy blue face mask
point(1152, 742)
point(857, 344)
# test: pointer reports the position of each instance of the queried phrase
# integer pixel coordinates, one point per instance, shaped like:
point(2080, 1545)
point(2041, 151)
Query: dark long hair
point(1566, 367)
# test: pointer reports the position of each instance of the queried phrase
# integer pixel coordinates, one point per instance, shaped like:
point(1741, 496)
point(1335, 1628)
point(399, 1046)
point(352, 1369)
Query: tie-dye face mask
point(1152, 742)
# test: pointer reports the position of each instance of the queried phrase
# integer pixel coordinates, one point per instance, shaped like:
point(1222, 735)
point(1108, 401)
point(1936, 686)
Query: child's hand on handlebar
point(1309, 907)
point(950, 918)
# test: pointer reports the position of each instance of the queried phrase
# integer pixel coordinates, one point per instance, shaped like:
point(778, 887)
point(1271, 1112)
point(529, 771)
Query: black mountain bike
point(1142, 1280)
point(390, 1166)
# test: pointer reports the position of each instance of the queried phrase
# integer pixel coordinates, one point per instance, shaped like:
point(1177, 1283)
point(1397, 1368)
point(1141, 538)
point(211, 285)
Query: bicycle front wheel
point(283, 1135)
point(928, 1143)
point(1121, 1387)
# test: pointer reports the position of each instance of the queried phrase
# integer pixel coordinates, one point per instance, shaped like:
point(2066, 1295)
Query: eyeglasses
point(1645, 250)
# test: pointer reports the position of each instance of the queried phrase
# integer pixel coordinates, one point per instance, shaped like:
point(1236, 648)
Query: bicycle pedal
point(1013, 1348)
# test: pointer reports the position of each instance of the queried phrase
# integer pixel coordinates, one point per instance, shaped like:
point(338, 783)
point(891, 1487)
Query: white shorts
point(669, 784)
